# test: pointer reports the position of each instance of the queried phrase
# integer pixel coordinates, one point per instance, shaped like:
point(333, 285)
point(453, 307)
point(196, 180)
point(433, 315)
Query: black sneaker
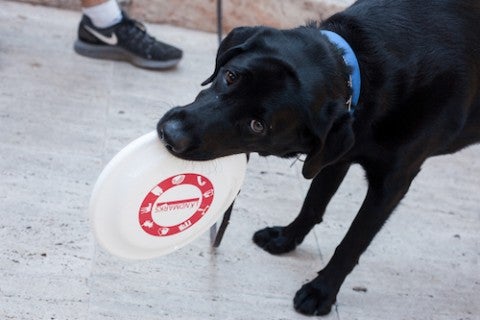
point(127, 40)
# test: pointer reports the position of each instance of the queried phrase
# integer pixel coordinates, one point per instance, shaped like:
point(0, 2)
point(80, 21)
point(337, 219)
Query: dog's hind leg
point(277, 240)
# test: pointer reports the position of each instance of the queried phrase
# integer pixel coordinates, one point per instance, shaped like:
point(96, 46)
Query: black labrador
point(393, 83)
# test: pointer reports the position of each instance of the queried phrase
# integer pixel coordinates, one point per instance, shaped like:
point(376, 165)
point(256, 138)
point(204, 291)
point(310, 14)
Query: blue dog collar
point(351, 61)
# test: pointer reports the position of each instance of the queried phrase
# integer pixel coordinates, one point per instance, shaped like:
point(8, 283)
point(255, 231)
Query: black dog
point(415, 95)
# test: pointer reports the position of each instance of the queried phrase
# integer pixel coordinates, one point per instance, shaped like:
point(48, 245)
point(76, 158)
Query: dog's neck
point(354, 81)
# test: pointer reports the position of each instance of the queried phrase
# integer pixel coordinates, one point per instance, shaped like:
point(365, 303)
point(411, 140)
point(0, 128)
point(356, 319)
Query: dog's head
point(275, 92)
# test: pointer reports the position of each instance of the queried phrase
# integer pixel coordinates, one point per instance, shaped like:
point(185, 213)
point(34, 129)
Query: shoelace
point(137, 36)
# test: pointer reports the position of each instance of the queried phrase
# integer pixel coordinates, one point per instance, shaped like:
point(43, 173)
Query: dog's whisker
point(297, 158)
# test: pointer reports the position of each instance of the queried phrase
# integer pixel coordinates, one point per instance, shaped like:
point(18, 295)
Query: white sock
point(104, 15)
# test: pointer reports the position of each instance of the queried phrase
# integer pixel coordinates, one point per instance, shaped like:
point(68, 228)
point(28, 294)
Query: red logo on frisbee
point(175, 204)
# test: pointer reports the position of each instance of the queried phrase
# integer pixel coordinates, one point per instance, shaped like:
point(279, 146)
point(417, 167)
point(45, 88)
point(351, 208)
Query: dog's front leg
point(317, 296)
point(277, 240)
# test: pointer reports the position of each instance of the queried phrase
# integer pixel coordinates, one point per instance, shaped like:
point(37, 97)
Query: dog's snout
point(173, 136)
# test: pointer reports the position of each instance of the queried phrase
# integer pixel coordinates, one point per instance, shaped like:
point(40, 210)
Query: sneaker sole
point(119, 54)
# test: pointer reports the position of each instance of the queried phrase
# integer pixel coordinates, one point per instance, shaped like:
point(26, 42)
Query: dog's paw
point(274, 240)
point(314, 298)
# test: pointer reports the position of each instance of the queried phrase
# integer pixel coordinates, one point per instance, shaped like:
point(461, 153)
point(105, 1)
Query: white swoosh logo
point(111, 40)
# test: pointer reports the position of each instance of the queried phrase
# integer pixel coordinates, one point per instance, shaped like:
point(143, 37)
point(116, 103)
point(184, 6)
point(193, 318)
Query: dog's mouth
point(286, 155)
point(182, 146)
point(190, 140)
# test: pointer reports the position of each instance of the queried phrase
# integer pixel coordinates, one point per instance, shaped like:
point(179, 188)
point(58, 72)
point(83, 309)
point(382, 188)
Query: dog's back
point(420, 56)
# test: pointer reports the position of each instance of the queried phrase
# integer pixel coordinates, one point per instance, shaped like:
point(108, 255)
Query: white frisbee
point(147, 203)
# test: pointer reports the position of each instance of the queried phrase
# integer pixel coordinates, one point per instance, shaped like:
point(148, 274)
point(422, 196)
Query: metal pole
point(219, 21)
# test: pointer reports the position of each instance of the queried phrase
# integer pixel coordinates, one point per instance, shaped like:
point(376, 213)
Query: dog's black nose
point(173, 136)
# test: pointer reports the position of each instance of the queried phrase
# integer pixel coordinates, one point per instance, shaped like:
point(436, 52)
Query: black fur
point(420, 97)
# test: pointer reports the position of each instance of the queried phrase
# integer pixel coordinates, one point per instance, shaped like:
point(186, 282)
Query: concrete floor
point(62, 117)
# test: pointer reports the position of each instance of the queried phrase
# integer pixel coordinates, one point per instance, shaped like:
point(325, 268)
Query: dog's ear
point(334, 132)
point(236, 42)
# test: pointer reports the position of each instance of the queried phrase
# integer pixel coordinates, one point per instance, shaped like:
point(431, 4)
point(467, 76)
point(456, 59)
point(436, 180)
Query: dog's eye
point(257, 126)
point(230, 77)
